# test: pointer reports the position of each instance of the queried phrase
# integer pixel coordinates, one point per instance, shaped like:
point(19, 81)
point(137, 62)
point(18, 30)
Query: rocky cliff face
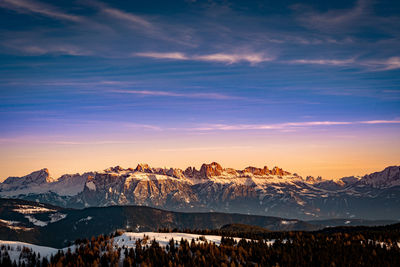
point(252, 190)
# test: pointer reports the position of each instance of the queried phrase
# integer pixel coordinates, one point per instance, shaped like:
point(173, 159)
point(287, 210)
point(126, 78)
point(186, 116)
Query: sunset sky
point(310, 86)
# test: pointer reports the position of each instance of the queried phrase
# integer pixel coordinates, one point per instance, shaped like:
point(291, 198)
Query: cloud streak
point(175, 94)
point(227, 58)
point(391, 63)
point(169, 55)
point(122, 15)
point(331, 62)
point(287, 125)
point(54, 49)
point(333, 20)
point(23, 6)
point(127, 17)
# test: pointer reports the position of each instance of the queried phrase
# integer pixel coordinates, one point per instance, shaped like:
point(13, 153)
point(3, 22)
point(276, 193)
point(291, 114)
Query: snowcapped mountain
point(34, 179)
point(389, 177)
point(263, 191)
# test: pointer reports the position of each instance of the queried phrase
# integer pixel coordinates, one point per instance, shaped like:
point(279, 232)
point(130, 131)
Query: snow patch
point(55, 217)
point(288, 222)
point(91, 186)
point(28, 209)
point(35, 221)
point(88, 218)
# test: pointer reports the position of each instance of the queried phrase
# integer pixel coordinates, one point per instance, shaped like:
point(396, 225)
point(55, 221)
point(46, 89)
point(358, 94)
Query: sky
point(309, 86)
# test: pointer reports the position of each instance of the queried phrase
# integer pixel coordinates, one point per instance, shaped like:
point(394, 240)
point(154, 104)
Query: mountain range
point(212, 188)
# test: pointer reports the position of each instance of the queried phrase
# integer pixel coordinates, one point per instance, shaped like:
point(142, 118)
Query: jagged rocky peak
point(265, 171)
point(212, 169)
point(178, 173)
point(116, 169)
point(145, 168)
point(189, 171)
point(257, 171)
point(206, 171)
point(142, 167)
point(279, 171)
point(312, 179)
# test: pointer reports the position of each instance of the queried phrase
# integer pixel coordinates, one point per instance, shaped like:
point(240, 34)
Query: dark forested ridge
point(35, 224)
point(387, 233)
point(58, 226)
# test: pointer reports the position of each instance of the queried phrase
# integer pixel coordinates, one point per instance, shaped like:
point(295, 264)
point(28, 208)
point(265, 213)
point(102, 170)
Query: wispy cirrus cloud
point(252, 58)
point(287, 125)
point(391, 63)
point(149, 26)
point(227, 58)
point(255, 58)
point(24, 6)
point(175, 94)
point(127, 17)
point(168, 55)
point(142, 126)
point(380, 122)
point(121, 15)
point(332, 20)
point(331, 62)
point(62, 49)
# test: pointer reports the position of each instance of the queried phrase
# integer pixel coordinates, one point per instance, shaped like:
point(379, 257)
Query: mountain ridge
point(45, 224)
point(252, 190)
point(34, 222)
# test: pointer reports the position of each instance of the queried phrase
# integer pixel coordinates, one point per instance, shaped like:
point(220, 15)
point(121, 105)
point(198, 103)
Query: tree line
point(352, 248)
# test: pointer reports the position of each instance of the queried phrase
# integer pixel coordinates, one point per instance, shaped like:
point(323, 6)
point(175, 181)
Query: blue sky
point(71, 71)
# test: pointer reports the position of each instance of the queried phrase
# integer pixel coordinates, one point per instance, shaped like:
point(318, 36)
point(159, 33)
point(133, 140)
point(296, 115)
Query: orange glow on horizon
point(330, 154)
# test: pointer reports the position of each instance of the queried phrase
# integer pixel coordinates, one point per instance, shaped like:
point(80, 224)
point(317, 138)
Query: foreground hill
point(262, 191)
point(54, 226)
point(371, 246)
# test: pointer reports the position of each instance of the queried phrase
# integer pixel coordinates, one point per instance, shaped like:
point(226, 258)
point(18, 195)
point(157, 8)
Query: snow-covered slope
point(126, 240)
point(14, 249)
